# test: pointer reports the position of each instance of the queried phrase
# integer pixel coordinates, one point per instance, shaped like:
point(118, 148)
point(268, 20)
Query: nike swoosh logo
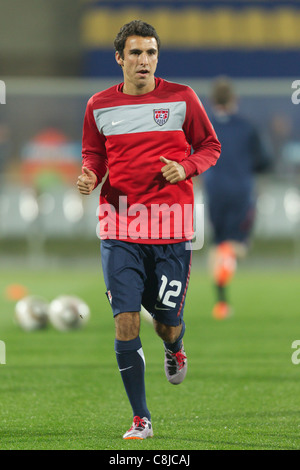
point(125, 368)
point(160, 308)
point(114, 123)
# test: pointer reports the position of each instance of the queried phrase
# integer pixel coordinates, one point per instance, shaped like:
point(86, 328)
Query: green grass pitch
point(63, 390)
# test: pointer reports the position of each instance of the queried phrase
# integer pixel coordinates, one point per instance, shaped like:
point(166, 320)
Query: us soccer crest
point(161, 116)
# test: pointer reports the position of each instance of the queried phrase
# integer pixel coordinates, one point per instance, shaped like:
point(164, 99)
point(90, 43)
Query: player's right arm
point(94, 158)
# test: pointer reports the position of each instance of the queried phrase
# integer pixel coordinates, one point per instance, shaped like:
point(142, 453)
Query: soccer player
point(229, 188)
point(137, 140)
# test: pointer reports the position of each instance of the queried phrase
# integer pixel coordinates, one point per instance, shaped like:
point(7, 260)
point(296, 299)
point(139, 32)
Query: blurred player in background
point(5, 143)
point(137, 140)
point(229, 188)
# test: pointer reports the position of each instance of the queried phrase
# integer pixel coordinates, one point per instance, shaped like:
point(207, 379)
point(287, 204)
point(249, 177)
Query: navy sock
point(221, 293)
point(175, 347)
point(131, 362)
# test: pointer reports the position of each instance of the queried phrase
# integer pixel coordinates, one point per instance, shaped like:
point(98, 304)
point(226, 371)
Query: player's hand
point(86, 182)
point(172, 171)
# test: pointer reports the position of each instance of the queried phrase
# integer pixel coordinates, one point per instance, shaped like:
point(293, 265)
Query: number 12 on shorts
point(164, 295)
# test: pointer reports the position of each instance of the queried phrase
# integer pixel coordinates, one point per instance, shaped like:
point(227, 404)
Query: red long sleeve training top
point(123, 139)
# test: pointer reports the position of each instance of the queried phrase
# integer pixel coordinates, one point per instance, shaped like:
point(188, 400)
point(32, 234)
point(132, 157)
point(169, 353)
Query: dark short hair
point(222, 91)
point(134, 28)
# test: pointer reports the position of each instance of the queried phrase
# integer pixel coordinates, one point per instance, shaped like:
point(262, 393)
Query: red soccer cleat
point(221, 311)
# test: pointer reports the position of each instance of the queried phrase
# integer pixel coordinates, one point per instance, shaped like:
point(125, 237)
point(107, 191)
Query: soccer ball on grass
point(146, 316)
point(68, 312)
point(31, 313)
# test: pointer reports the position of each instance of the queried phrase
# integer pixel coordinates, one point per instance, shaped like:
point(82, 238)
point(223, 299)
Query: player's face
point(139, 64)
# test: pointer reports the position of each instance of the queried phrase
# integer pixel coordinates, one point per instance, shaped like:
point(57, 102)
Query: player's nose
point(144, 60)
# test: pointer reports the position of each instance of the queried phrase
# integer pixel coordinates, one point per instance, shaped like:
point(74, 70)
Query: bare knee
point(127, 325)
point(167, 333)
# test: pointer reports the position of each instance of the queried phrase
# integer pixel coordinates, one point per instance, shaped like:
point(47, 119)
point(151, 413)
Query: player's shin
point(176, 346)
point(225, 264)
point(131, 362)
point(224, 267)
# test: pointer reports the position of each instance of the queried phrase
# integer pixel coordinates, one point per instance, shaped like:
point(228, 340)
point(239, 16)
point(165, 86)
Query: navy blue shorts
point(155, 276)
point(231, 221)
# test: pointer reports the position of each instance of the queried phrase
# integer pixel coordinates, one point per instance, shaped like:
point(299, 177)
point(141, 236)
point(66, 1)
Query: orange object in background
point(221, 311)
point(49, 159)
point(225, 264)
point(15, 291)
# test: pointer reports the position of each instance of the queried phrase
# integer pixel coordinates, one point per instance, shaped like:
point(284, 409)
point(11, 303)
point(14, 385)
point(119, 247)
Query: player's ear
point(119, 59)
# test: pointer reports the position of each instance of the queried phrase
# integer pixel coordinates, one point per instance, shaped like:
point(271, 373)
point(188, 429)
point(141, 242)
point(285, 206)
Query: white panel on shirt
point(146, 117)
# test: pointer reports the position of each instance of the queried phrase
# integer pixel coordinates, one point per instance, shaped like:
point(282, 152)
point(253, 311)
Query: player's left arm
point(262, 158)
point(201, 135)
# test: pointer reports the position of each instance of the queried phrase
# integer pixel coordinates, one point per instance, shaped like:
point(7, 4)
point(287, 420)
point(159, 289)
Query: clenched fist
point(87, 181)
point(172, 171)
